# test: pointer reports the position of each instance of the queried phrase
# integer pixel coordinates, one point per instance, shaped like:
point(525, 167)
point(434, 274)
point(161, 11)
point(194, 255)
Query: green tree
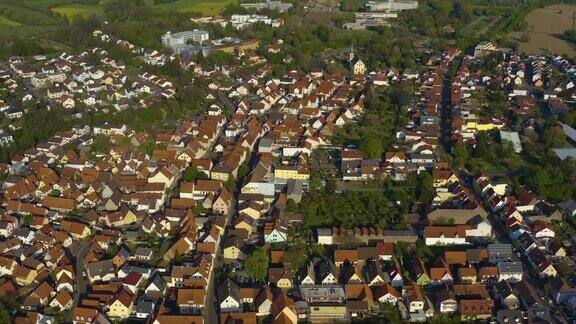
point(460, 154)
point(481, 150)
point(256, 263)
point(28, 219)
point(4, 315)
point(192, 174)
point(554, 137)
point(506, 149)
point(372, 147)
point(425, 187)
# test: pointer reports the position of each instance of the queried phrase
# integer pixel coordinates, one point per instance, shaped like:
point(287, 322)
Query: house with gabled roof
point(263, 301)
point(385, 294)
point(504, 293)
point(475, 309)
point(440, 273)
point(275, 230)
point(283, 311)
point(446, 300)
point(87, 315)
point(40, 296)
point(190, 299)
point(121, 305)
point(445, 234)
point(62, 301)
point(228, 297)
point(561, 290)
point(281, 276)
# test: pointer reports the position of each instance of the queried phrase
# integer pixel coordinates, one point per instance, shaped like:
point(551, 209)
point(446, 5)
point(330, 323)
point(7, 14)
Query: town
point(350, 191)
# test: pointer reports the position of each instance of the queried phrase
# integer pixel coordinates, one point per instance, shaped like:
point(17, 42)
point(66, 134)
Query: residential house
point(121, 305)
point(281, 277)
point(229, 297)
point(505, 295)
point(444, 235)
point(475, 309)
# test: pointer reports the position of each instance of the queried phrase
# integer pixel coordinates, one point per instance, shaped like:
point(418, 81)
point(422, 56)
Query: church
point(355, 64)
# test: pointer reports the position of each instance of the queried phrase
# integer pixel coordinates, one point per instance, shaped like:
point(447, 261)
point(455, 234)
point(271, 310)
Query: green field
point(73, 10)
point(5, 21)
point(25, 30)
point(206, 7)
point(44, 4)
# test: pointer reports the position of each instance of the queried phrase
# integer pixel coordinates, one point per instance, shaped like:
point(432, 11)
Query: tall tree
point(257, 263)
point(460, 154)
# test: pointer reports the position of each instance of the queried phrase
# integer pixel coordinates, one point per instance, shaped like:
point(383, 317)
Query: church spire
point(351, 54)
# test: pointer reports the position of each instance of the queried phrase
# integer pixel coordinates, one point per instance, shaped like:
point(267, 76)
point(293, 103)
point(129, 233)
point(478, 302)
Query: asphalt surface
point(79, 267)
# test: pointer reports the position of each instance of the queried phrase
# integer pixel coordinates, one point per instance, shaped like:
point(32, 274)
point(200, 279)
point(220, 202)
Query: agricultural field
point(73, 10)
point(206, 7)
point(545, 26)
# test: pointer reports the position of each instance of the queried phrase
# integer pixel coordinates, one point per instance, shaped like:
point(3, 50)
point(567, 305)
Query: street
point(464, 178)
point(79, 268)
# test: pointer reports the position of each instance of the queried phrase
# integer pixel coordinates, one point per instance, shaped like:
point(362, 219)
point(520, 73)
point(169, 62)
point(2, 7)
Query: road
point(500, 234)
point(210, 315)
point(446, 110)
point(80, 266)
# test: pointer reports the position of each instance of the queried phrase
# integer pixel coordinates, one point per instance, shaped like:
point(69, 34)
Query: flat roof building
point(392, 5)
point(178, 42)
point(512, 137)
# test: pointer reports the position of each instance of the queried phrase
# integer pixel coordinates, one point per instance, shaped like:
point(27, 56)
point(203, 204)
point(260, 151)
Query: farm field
point(73, 10)
point(545, 26)
point(206, 7)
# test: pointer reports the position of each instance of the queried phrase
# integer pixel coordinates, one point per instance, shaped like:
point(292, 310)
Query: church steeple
point(351, 54)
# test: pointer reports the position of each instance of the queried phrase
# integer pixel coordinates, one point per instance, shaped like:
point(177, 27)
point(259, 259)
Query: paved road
point(80, 266)
point(210, 315)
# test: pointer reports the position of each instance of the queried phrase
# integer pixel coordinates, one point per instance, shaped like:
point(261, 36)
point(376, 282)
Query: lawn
point(73, 10)
point(206, 7)
point(5, 21)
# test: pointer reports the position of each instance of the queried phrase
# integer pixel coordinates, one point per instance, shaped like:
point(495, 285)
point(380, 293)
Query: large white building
point(178, 42)
point(272, 5)
point(392, 5)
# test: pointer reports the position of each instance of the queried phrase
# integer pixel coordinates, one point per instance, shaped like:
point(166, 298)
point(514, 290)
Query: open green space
point(24, 30)
point(206, 7)
point(73, 10)
point(5, 21)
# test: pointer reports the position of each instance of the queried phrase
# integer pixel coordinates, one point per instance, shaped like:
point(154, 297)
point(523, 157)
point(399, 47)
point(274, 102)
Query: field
point(545, 26)
point(206, 7)
point(25, 30)
point(5, 21)
point(73, 10)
